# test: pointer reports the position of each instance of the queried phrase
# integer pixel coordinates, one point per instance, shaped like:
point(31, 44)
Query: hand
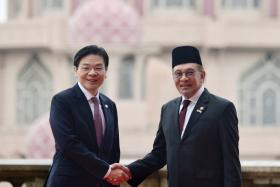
point(118, 174)
point(122, 167)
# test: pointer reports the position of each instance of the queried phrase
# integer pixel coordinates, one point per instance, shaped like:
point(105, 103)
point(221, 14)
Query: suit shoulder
point(220, 100)
point(63, 98)
point(61, 103)
point(172, 102)
point(64, 93)
point(106, 98)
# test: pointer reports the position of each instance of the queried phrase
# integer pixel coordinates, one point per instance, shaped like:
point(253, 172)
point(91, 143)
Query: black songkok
point(185, 54)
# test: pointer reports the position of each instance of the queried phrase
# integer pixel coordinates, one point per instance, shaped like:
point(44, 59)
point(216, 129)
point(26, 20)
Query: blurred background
point(239, 43)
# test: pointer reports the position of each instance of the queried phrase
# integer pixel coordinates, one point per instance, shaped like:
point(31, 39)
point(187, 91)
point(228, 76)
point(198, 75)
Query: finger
point(127, 171)
point(112, 181)
point(109, 181)
point(122, 177)
point(116, 166)
point(125, 176)
point(117, 181)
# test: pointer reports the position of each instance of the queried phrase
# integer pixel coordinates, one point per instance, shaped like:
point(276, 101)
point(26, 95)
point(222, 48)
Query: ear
point(202, 76)
point(75, 70)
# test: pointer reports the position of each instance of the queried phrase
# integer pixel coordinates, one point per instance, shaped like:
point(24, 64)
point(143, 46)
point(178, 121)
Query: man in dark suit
point(198, 133)
point(84, 123)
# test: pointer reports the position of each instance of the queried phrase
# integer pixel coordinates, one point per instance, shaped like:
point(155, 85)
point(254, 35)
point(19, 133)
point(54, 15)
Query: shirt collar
point(87, 93)
point(195, 97)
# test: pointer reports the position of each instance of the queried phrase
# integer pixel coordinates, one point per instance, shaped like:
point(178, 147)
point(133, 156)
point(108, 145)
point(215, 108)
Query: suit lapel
point(176, 118)
point(108, 119)
point(85, 112)
point(198, 110)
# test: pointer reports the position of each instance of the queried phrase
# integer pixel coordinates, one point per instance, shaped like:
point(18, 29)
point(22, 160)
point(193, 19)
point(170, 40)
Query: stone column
point(208, 8)
point(138, 83)
point(111, 83)
point(2, 82)
point(139, 6)
point(273, 8)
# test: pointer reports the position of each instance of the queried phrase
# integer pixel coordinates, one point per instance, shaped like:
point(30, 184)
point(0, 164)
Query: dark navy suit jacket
point(78, 162)
point(206, 156)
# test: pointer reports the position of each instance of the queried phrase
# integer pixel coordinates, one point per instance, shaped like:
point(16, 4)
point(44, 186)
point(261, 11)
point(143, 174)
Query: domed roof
point(109, 21)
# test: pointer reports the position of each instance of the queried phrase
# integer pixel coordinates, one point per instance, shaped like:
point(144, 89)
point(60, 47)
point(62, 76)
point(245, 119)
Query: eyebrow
point(97, 65)
point(189, 69)
point(85, 64)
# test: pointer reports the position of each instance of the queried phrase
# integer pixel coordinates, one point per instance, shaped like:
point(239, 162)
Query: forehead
point(184, 67)
point(92, 60)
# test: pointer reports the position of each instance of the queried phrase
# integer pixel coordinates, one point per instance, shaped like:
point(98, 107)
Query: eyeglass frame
point(97, 68)
point(179, 74)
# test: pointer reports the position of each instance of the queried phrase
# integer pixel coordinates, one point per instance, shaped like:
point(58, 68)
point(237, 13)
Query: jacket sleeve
point(153, 161)
point(67, 141)
point(116, 145)
point(229, 140)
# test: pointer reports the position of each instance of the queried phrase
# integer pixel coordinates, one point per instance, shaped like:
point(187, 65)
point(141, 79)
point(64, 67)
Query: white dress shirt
point(191, 106)
point(91, 104)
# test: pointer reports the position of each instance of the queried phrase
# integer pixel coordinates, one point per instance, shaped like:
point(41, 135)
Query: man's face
point(188, 78)
point(91, 72)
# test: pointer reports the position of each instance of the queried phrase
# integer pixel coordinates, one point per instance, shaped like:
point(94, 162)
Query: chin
point(91, 87)
point(185, 94)
point(184, 91)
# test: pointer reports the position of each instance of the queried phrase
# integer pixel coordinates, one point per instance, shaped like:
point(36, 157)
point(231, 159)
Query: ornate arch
point(260, 93)
point(34, 88)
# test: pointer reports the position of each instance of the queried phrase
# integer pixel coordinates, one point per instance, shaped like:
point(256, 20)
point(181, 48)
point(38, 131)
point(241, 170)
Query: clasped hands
point(119, 174)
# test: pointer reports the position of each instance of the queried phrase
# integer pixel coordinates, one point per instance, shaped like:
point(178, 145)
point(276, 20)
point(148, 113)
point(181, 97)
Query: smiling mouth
point(92, 81)
point(185, 86)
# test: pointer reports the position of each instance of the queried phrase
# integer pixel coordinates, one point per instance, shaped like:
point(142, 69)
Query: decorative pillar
point(273, 8)
point(30, 8)
point(208, 8)
point(3, 84)
point(139, 6)
point(75, 4)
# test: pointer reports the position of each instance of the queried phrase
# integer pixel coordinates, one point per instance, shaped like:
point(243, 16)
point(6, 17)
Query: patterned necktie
point(182, 115)
point(97, 121)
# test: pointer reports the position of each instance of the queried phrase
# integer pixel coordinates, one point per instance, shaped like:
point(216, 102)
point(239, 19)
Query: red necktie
point(182, 115)
point(97, 121)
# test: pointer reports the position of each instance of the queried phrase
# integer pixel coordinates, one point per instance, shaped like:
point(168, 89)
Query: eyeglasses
point(180, 74)
point(89, 68)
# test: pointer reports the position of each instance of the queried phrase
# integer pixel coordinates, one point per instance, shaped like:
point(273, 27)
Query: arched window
point(126, 77)
point(34, 85)
point(260, 93)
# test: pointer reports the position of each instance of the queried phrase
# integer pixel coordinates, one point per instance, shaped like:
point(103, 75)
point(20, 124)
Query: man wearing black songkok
point(198, 132)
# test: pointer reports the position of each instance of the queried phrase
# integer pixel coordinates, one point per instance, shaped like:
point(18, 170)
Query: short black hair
point(88, 50)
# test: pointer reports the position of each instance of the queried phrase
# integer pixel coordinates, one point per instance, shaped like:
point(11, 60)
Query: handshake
point(119, 174)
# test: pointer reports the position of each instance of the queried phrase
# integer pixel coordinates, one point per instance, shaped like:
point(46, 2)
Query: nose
point(184, 77)
point(92, 72)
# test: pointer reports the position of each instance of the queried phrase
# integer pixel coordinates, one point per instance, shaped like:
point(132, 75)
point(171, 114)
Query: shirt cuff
point(108, 172)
